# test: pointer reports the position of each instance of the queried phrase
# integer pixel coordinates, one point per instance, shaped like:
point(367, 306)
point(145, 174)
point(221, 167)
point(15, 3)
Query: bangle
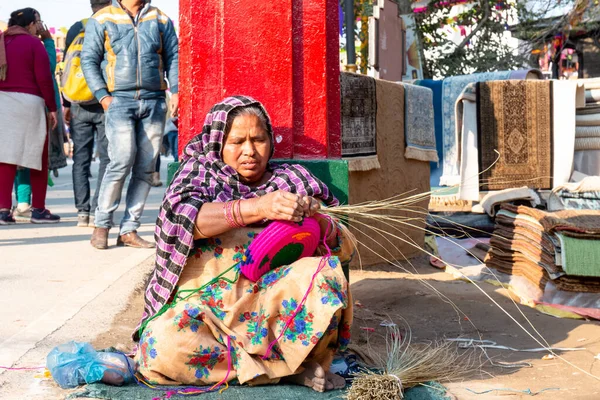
point(199, 232)
point(238, 224)
point(228, 214)
point(239, 212)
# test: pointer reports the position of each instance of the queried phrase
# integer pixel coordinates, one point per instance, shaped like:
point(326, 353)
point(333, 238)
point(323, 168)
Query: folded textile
point(590, 108)
point(493, 200)
point(505, 263)
point(587, 143)
point(583, 195)
point(590, 83)
point(526, 236)
point(571, 222)
point(541, 245)
point(359, 113)
point(592, 96)
point(451, 90)
point(538, 275)
point(587, 131)
point(419, 129)
point(588, 119)
point(436, 88)
point(580, 257)
point(515, 120)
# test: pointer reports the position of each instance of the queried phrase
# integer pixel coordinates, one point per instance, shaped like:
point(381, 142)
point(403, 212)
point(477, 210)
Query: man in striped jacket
point(129, 54)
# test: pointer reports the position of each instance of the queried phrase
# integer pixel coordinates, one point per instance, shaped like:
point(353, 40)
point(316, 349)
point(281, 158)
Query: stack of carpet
point(562, 247)
point(587, 133)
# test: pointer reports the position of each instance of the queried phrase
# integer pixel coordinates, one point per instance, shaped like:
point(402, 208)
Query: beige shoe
point(22, 213)
point(132, 239)
point(100, 238)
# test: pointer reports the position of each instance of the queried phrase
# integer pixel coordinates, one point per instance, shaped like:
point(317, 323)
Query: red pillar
point(283, 53)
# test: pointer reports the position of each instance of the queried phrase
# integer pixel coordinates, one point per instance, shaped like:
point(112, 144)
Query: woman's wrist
point(250, 211)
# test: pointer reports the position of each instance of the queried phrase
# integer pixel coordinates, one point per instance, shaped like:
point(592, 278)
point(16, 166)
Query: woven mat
point(575, 223)
point(359, 113)
point(515, 119)
point(433, 391)
point(580, 257)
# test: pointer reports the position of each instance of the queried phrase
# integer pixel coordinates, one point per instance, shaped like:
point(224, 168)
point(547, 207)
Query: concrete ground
point(57, 288)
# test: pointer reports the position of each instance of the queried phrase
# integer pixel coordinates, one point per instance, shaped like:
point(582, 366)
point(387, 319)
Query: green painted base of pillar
point(334, 173)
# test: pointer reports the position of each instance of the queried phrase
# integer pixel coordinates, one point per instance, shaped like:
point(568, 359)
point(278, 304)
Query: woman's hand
point(281, 205)
point(311, 206)
point(42, 31)
point(53, 119)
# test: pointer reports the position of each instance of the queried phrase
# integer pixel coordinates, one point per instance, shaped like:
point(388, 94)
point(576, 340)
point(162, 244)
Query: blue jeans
point(134, 129)
point(173, 144)
point(87, 122)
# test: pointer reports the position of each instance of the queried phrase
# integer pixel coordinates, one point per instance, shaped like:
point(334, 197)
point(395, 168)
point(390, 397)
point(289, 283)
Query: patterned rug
point(452, 87)
point(419, 130)
point(359, 112)
point(515, 119)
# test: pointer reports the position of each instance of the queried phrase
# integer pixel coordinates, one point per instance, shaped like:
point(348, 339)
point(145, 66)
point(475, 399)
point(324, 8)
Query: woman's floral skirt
point(188, 344)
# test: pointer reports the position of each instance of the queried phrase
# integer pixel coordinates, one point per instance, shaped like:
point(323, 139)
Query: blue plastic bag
point(73, 364)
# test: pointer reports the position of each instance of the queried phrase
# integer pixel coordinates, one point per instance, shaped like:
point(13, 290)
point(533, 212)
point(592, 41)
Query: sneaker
point(6, 218)
point(22, 214)
point(83, 220)
point(43, 216)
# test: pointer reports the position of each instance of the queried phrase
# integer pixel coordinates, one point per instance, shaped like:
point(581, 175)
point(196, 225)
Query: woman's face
point(247, 148)
point(33, 27)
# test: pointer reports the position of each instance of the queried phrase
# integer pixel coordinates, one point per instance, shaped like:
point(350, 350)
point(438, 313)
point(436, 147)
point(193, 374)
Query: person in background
point(85, 122)
point(57, 158)
point(171, 135)
point(129, 48)
point(26, 89)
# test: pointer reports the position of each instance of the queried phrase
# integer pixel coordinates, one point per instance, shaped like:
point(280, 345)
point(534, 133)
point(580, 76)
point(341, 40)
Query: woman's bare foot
point(334, 381)
point(314, 377)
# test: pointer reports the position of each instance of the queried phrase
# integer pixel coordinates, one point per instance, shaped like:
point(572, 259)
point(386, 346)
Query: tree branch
point(486, 16)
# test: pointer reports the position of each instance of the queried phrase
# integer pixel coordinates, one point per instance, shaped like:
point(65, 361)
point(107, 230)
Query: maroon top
point(28, 69)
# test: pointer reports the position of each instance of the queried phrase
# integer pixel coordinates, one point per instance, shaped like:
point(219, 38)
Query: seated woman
point(234, 328)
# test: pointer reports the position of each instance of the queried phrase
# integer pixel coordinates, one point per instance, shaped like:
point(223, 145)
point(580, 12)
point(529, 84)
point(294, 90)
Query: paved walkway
point(50, 273)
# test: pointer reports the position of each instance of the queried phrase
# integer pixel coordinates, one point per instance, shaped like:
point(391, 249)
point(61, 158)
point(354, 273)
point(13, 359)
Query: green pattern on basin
point(288, 255)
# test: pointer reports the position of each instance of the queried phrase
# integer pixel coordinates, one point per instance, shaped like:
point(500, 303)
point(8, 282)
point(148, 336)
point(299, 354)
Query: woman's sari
point(223, 331)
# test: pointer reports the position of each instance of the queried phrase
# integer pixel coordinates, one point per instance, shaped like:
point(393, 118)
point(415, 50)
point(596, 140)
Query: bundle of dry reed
point(407, 365)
